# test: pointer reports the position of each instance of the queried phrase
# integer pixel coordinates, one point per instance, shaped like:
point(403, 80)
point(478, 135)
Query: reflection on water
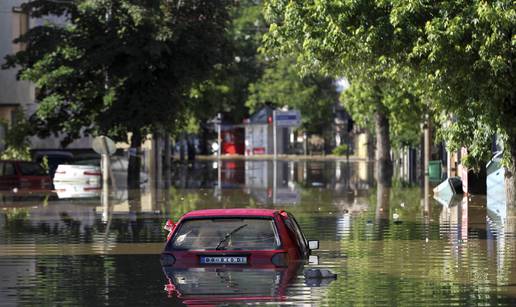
point(208, 286)
point(388, 246)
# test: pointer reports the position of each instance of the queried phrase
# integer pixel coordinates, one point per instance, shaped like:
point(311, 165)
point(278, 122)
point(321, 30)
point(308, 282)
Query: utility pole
point(274, 135)
point(426, 162)
point(219, 137)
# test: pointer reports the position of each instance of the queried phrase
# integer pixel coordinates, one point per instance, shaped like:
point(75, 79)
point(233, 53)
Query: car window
point(9, 169)
point(31, 169)
point(246, 234)
point(294, 228)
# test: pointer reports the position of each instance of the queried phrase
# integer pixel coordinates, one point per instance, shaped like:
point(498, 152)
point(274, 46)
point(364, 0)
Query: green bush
point(340, 150)
point(17, 145)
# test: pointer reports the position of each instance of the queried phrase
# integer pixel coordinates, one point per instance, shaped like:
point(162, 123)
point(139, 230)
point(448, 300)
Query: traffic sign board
point(103, 145)
point(291, 118)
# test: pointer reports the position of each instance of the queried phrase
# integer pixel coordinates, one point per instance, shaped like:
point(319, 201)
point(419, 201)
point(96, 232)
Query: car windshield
point(227, 233)
point(32, 169)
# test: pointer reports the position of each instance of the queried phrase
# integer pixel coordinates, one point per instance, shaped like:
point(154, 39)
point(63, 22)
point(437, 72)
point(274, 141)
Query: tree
point(403, 109)
point(281, 85)
point(119, 66)
point(17, 144)
point(464, 52)
point(354, 39)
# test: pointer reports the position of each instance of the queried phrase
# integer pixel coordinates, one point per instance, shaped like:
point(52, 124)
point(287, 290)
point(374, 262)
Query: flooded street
point(388, 246)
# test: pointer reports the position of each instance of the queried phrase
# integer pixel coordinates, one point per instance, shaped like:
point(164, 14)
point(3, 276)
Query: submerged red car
point(238, 238)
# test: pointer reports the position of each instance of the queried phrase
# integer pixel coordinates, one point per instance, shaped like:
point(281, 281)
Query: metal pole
point(105, 169)
point(274, 136)
point(426, 164)
point(274, 179)
point(105, 162)
point(448, 163)
point(105, 203)
point(219, 138)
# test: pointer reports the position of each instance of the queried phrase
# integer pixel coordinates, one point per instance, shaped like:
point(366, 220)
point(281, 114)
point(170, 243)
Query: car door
point(297, 234)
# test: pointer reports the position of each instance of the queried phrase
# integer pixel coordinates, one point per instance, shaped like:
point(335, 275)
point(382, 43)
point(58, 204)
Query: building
point(17, 95)
point(259, 131)
point(13, 93)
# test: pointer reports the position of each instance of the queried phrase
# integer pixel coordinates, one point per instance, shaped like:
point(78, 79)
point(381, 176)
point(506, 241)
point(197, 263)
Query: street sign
point(291, 118)
point(103, 145)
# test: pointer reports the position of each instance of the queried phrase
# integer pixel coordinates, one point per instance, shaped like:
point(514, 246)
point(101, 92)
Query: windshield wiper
point(228, 235)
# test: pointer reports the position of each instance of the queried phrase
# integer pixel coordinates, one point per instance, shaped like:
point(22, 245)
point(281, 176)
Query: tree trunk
point(203, 145)
point(168, 156)
point(135, 162)
point(384, 168)
point(383, 213)
point(510, 174)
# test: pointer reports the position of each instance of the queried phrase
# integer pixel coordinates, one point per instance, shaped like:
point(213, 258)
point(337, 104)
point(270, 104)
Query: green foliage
point(446, 57)
point(16, 138)
point(354, 39)
point(465, 55)
point(255, 80)
point(120, 66)
point(281, 85)
point(341, 150)
point(44, 163)
point(226, 88)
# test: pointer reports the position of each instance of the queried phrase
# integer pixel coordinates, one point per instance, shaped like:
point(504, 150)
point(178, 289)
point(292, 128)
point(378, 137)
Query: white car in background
point(66, 190)
point(77, 181)
point(90, 174)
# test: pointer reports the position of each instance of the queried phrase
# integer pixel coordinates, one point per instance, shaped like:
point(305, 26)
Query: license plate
point(223, 260)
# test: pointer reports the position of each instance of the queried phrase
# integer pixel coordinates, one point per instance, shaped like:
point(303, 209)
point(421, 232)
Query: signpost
point(105, 147)
point(291, 118)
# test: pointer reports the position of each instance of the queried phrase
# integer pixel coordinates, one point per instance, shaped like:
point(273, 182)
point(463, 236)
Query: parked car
point(71, 189)
point(90, 174)
point(265, 238)
point(15, 174)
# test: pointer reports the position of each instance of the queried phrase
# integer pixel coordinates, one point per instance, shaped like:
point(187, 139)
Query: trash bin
point(434, 170)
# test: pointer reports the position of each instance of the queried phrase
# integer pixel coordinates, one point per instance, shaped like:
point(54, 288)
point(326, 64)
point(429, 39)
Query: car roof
point(244, 212)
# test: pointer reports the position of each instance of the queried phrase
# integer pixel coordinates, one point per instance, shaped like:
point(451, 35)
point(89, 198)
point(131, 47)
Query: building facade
point(18, 95)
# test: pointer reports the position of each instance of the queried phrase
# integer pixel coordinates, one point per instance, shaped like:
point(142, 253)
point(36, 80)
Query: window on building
point(20, 26)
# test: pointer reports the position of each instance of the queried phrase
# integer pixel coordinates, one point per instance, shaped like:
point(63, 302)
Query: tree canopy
point(354, 39)
point(465, 54)
point(455, 57)
point(119, 66)
point(281, 85)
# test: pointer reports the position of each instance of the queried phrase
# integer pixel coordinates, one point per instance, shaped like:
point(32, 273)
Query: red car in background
point(26, 175)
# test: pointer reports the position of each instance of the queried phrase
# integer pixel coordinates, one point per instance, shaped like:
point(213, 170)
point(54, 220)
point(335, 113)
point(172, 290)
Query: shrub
point(341, 150)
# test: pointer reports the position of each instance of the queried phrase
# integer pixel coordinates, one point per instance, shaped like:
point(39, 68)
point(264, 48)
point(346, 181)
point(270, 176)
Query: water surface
point(389, 247)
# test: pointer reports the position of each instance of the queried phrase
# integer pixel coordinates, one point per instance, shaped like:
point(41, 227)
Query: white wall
point(12, 92)
point(21, 93)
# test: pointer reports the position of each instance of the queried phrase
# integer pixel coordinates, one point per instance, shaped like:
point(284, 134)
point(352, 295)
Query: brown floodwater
point(388, 246)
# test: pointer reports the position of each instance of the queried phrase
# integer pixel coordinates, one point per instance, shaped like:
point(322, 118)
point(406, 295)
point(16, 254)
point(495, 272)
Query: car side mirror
point(169, 225)
point(313, 244)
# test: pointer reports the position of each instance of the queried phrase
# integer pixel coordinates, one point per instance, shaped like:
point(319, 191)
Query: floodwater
point(388, 247)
